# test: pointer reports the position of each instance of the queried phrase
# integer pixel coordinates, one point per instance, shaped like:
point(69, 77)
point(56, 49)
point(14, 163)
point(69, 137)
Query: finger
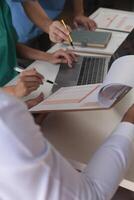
point(33, 102)
point(31, 84)
point(65, 56)
point(61, 27)
point(56, 38)
point(60, 34)
point(31, 79)
point(73, 55)
point(86, 25)
point(62, 60)
point(94, 25)
point(91, 25)
point(31, 89)
point(59, 61)
point(32, 72)
point(69, 28)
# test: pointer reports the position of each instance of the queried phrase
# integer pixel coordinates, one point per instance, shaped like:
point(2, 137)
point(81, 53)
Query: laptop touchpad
point(68, 76)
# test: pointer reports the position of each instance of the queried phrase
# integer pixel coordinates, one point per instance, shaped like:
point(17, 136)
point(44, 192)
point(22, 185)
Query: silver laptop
point(88, 70)
point(92, 69)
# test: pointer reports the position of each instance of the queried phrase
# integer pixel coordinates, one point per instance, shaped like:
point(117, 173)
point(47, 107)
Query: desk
point(78, 134)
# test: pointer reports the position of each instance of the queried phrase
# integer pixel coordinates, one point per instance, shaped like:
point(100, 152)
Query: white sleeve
point(109, 164)
point(31, 169)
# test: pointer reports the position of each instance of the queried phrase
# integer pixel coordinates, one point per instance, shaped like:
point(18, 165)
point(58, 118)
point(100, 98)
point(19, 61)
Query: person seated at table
point(29, 80)
point(32, 169)
point(43, 17)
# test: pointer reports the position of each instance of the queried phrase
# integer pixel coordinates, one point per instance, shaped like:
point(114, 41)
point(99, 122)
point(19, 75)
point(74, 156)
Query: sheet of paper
point(70, 95)
point(118, 81)
point(121, 72)
point(114, 19)
point(109, 50)
point(110, 94)
point(60, 102)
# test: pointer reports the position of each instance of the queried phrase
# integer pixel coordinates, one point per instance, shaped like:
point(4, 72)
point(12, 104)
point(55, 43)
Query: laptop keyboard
point(92, 70)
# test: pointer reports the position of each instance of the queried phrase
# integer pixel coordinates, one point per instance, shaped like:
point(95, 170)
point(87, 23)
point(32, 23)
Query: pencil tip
point(72, 45)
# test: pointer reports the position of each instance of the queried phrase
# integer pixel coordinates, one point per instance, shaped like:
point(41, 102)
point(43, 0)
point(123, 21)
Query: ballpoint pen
point(70, 38)
point(20, 69)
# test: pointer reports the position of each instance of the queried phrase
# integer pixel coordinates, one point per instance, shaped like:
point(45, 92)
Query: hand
point(57, 32)
point(81, 20)
point(29, 81)
point(33, 102)
point(62, 56)
point(129, 115)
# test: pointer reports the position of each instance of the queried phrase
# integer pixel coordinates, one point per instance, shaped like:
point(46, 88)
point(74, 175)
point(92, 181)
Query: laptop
point(91, 69)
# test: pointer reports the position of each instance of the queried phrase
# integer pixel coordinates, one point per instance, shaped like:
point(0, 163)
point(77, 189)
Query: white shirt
point(31, 169)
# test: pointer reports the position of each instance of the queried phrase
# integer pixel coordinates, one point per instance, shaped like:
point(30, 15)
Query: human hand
point(57, 32)
point(33, 102)
point(29, 81)
point(81, 20)
point(129, 115)
point(62, 56)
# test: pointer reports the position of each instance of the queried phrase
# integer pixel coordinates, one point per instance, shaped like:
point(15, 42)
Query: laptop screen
point(126, 48)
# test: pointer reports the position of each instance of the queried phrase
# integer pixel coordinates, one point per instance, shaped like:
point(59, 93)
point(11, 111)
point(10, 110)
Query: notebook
point(85, 38)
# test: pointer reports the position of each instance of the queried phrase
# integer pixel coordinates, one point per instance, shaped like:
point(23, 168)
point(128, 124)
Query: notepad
point(85, 38)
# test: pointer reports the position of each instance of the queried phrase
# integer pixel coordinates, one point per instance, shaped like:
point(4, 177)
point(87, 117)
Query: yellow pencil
point(70, 39)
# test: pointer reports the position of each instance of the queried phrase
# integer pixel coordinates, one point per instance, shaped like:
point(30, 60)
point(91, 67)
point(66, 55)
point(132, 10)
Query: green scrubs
point(8, 39)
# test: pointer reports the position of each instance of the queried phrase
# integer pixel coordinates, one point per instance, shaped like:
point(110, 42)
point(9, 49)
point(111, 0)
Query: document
point(118, 82)
point(117, 20)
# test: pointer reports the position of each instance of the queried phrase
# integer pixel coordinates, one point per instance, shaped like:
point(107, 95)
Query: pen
point(70, 38)
point(19, 69)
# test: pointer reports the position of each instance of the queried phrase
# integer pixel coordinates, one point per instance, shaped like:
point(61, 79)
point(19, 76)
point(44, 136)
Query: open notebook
point(119, 80)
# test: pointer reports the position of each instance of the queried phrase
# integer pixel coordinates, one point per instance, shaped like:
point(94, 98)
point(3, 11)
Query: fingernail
point(70, 65)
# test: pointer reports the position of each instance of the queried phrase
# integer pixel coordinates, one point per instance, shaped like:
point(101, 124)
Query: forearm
point(109, 164)
point(29, 53)
point(38, 15)
point(78, 7)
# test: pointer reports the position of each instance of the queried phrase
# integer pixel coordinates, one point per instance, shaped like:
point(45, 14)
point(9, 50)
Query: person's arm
point(33, 158)
point(37, 15)
point(109, 164)
point(59, 56)
point(80, 18)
